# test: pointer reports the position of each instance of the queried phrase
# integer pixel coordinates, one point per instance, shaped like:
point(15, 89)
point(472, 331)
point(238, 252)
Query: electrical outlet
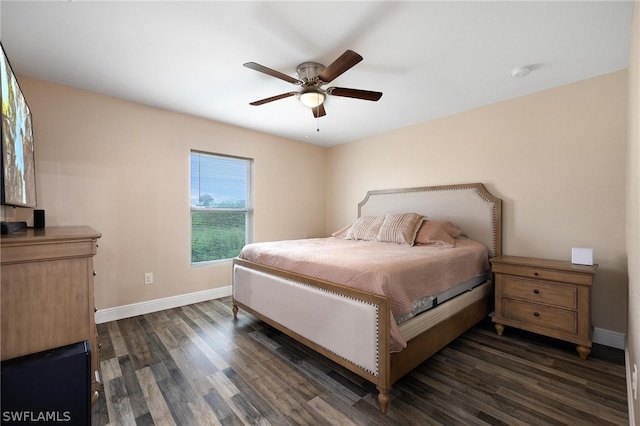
point(634, 381)
point(148, 277)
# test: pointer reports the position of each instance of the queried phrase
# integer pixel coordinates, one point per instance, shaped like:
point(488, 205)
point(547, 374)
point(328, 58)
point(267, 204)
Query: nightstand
point(548, 297)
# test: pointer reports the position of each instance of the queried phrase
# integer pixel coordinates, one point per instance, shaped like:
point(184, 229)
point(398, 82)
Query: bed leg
point(383, 400)
point(235, 311)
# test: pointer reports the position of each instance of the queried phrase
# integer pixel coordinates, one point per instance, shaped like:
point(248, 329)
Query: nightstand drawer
point(542, 274)
point(545, 296)
point(541, 316)
point(540, 292)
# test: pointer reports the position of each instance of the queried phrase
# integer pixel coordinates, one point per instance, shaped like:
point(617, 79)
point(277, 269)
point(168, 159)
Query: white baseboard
point(127, 311)
point(610, 338)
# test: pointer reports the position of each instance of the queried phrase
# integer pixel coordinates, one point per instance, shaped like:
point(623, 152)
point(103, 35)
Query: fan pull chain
point(318, 124)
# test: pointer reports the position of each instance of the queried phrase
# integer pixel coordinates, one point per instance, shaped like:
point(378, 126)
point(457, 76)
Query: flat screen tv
point(18, 186)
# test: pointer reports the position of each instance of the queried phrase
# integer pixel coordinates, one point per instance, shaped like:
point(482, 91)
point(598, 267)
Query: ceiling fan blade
point(273, 98)
point(319, 111)
point(272, 73)
point(339, 66)
point(367, 95)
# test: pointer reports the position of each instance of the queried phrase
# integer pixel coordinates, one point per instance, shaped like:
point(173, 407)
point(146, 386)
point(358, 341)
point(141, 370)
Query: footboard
point(349, 326)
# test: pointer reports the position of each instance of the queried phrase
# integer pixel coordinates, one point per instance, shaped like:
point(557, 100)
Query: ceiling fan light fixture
point(311, 77)
point(312, 98)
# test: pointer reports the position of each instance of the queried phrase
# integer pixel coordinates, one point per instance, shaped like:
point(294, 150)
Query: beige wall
point(123, 169)
point(556, 158)
point(633, 208)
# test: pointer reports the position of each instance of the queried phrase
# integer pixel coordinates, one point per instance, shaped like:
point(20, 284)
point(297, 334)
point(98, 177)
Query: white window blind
point(220, 203)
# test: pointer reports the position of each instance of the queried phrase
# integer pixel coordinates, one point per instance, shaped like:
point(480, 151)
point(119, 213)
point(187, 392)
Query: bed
point(349, 315)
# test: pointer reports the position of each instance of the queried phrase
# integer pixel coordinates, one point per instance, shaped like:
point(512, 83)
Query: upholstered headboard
point(470, 207)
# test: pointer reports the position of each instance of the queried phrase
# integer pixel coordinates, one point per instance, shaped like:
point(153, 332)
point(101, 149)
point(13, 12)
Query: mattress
point(431, 301)
point(416, 325)
point(413, 278)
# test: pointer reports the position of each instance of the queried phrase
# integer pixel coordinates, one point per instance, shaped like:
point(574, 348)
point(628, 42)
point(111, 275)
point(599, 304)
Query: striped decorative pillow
point(400, 228)
point(365, 228)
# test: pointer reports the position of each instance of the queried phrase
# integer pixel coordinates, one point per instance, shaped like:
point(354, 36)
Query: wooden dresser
point(47, 292)
point(548, 297)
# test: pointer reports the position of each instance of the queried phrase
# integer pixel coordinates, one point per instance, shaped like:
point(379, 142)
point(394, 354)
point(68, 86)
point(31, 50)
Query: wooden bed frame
point(266, 292)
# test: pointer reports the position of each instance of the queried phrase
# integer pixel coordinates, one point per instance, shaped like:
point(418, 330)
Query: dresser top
point(534, 262)
point(49, 234)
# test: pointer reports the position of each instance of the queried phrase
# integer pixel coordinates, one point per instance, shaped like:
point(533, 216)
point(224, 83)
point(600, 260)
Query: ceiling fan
point(312, 76)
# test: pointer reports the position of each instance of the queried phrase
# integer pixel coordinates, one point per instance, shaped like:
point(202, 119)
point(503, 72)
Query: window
point(220, 203)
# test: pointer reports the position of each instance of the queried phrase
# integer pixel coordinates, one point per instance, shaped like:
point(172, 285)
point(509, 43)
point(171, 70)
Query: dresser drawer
point(542, 273)
point(539, 292)
point(540, 316)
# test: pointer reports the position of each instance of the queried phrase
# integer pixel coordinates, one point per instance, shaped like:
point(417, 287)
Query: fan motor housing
point(308, 71)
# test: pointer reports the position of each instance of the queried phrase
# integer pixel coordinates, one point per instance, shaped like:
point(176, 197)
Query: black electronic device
point(11, 227)
point(49, 387)
point(38, 219)
point(18, 171)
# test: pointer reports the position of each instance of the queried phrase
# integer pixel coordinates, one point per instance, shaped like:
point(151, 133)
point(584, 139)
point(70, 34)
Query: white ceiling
point(430, 59)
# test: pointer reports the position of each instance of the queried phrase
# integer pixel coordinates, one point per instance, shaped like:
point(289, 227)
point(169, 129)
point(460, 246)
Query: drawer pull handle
point(536, 314)
point(536, 291)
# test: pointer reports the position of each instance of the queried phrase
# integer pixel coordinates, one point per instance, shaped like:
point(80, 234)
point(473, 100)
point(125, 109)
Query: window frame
point(248, 210)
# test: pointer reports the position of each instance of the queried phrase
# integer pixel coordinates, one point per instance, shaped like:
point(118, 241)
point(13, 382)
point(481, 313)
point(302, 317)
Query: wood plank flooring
point(195, 366)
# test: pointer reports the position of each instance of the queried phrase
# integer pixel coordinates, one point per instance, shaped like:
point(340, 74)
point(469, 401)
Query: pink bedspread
point(402, 273)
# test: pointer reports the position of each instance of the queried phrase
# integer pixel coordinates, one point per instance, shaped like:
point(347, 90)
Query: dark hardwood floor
point(194, 365)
